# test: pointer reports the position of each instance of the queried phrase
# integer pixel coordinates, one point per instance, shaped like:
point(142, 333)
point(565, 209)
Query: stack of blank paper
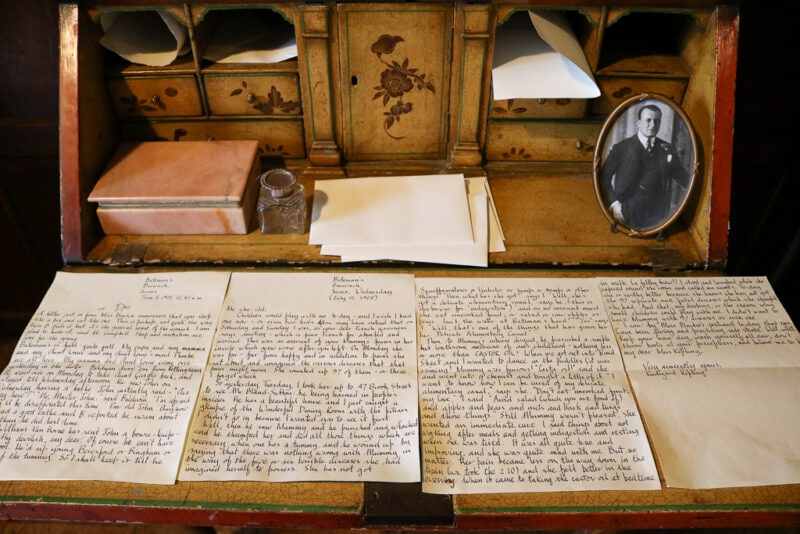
point(441, 218)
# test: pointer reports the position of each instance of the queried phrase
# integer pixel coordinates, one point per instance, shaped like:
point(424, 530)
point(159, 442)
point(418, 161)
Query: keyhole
point(354, 80)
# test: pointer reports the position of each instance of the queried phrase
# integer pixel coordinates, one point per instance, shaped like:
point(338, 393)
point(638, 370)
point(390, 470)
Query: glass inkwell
point(281, 203)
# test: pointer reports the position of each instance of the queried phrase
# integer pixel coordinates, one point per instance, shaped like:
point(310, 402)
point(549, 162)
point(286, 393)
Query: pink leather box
point(186, 187)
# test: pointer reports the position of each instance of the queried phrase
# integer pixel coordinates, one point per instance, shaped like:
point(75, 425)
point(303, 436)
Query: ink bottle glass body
point(281, 203)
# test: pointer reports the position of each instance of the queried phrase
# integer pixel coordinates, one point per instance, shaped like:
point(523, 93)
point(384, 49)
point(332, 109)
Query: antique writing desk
point(317, 115)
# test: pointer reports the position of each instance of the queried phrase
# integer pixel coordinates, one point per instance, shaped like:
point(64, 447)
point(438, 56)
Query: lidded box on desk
point(188, 187)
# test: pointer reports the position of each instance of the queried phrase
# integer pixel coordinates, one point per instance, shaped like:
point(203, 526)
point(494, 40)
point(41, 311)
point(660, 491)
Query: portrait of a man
point(646, 174)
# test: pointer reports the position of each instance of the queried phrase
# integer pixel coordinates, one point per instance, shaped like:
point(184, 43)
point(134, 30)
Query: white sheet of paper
point(241, 37)
point(104, 379)
point(715, 364)
point(401, 210)
point(522, 389)
point(542, 59)
point(473, 254)
point(470, 254)
point(313, 376)
point(151, 38)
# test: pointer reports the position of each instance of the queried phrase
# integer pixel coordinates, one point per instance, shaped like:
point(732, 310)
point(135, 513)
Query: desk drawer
point(541, 140)
point(539, 108)
point(616, 89)
point(157, 96)
point(264, 94)
point(276, 138)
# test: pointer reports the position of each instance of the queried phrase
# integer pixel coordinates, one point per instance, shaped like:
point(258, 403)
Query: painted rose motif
point(397, 80)
point(395, 84)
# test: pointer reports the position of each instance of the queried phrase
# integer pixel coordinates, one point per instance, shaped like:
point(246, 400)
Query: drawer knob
point(251, 98)
point(155, 100)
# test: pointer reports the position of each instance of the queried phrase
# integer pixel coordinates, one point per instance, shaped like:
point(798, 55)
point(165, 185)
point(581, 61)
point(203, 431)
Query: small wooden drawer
point(280, 138)
point(614, 90)
point(541, 141)
point(662, 74)
point(248, 94)
point(539, 108)
point(156, 96)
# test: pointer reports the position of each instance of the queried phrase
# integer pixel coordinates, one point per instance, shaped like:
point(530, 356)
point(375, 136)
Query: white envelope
point(540, 59)
point(245, 37)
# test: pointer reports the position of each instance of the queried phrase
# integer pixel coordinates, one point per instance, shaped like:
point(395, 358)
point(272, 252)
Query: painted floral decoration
point(397, 80)
point(269, 104)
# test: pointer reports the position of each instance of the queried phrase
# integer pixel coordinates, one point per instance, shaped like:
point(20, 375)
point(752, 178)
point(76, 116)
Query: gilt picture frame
point(645, 166)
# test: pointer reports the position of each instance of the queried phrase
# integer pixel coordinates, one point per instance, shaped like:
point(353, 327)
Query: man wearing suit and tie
point(640, 174)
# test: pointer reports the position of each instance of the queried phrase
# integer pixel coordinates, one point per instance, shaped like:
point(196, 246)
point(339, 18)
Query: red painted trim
point(176, 516)
point(69, 135)
point(477, 521)
point(629, 520)
point(722, 143)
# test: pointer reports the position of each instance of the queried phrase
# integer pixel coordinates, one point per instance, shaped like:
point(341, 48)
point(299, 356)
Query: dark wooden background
point(764, 233)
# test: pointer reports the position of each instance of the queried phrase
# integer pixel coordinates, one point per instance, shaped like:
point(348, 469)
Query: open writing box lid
point(184, 173)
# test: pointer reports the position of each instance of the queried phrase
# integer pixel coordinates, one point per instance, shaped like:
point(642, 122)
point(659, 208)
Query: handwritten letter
point(522, 389)
point(313, 377)
point(715, 364)
point(104, 378)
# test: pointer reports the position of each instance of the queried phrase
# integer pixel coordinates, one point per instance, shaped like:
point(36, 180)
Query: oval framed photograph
point(645, 165)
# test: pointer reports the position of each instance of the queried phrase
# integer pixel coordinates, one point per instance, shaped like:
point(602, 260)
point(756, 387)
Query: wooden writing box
point(195, 187)
point(318, 115)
